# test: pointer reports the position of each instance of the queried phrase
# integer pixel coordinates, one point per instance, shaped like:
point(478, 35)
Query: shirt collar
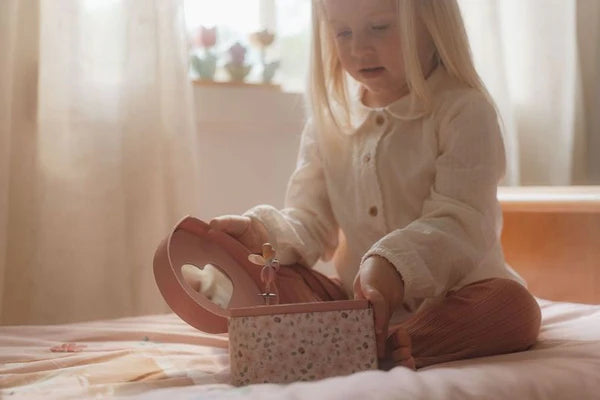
point(403, 108)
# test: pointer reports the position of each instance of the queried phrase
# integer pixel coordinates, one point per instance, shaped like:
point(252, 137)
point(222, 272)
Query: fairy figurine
point(270, 267)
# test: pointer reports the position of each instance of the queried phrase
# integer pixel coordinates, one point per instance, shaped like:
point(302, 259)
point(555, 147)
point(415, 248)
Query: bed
point(551, 237)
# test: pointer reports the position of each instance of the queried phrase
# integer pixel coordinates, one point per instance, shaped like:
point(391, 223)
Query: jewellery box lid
point(192, 242)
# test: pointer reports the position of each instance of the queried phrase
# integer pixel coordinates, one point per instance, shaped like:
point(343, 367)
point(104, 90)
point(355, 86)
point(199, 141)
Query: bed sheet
point(160, 356)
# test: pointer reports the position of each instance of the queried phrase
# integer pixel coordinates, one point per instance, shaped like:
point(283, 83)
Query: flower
point(237, 68)
point(269, 71)
point(315, 354)
point(262, 38)
point(204, 66)
point(237, 52)
point(206, 37)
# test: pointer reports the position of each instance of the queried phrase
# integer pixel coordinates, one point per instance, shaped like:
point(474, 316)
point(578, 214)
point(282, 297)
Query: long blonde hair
point(329, 92)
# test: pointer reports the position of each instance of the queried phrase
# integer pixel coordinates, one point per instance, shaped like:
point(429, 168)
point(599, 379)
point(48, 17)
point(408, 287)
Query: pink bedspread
point(160, 357)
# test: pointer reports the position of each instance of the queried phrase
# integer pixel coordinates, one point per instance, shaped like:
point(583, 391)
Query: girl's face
point(367, 39)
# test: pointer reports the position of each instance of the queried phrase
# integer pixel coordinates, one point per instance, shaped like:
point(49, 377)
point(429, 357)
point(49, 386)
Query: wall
point(248, 138)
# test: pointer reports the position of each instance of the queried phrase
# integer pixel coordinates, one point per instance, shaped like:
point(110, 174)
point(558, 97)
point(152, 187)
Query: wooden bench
point(551, 236)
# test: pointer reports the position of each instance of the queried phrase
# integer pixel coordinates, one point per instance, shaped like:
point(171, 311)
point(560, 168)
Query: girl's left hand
point(379, 282)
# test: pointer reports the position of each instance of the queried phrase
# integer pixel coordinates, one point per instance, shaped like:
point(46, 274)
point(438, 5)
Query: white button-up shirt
point(418, 191)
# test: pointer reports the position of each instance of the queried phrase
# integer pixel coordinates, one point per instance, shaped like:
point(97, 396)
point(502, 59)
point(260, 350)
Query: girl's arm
point(459, 225)
point(305, 229)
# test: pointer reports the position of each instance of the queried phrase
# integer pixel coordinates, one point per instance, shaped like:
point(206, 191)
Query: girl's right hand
point(248, 231)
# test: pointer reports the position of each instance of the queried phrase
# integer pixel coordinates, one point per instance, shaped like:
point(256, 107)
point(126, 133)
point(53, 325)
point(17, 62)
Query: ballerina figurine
point(270, 267)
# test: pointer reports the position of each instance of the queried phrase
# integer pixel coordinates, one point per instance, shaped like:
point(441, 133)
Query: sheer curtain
point(98, 154)
point(541, 61)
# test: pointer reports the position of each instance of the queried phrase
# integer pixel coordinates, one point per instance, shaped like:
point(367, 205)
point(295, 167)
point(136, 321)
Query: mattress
point(160, 356)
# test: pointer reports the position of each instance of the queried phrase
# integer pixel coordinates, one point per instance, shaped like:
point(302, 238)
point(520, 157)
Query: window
point(235, 20)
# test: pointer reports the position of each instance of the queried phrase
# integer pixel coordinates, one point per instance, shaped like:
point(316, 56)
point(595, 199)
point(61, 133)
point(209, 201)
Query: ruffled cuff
point(414, 272)
point(269, 216)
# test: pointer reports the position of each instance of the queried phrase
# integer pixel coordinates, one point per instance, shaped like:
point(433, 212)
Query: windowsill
point(232, 84)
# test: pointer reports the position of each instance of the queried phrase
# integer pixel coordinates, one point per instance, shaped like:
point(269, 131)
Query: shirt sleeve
point(459, 221)
point(305, 229)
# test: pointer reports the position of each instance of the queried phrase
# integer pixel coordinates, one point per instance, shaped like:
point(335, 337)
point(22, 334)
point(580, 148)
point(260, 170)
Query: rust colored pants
point(492, 316)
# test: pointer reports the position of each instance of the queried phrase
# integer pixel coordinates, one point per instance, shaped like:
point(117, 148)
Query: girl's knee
point(524, 308)
point(511, 302)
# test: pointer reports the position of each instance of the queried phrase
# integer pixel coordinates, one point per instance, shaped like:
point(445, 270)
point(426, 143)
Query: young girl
point(397, 174)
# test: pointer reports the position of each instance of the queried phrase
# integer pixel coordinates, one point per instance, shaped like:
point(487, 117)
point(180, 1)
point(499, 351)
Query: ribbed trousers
point(493, 316)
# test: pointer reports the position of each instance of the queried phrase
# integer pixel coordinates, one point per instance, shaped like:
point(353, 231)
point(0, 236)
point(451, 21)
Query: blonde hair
point(329, 92)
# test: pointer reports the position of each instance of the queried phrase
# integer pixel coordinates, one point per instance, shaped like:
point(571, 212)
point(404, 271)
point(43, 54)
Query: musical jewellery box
point(274, 336)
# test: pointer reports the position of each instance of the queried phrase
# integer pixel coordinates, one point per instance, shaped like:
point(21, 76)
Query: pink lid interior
point(193, 242)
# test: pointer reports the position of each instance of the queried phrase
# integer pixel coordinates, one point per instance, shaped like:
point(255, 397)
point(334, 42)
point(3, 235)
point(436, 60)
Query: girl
point(397, 174)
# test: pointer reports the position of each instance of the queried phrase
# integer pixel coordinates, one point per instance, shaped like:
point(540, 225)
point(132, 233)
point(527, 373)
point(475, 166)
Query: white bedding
point(160, 357)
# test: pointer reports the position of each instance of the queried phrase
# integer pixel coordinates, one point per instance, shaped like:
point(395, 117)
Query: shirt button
point(373, 211)
point(367, 158)
point(379, 120)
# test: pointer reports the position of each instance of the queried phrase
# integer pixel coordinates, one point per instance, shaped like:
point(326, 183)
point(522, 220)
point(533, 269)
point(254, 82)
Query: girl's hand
point(250, 232)
point(380, 283)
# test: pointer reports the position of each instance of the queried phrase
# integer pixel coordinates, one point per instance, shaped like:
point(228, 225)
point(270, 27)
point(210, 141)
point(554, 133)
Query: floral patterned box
point(299, 342)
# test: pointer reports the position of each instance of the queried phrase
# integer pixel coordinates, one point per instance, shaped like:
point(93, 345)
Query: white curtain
point(98, 154)
point(541, 61)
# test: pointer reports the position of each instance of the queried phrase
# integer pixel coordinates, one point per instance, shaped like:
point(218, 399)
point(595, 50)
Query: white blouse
point(420, 192)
